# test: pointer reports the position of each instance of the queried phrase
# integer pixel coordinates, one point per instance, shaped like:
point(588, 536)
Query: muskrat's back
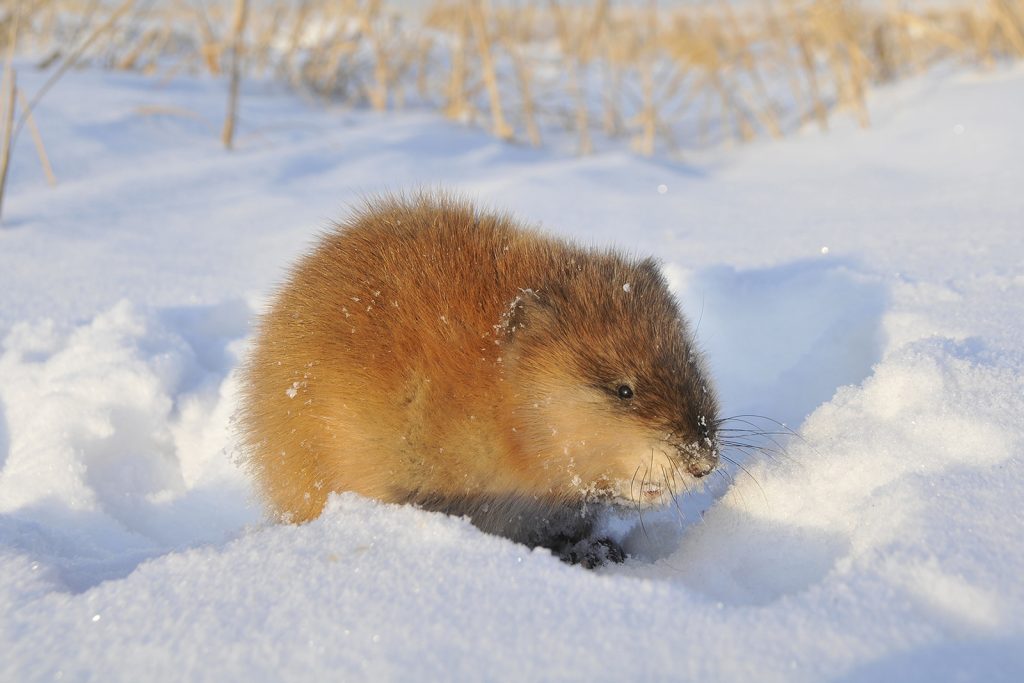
point(427, 352)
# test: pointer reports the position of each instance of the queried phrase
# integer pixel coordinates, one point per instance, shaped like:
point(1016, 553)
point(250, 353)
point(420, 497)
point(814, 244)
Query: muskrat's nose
point(702, 464)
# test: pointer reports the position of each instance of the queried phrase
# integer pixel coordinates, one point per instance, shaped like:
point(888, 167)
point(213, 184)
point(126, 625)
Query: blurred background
point(656, 77)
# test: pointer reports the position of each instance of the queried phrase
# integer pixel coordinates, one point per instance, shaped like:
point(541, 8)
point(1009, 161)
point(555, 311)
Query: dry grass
point(227, 135)
point(8, 91)
point(662, 79)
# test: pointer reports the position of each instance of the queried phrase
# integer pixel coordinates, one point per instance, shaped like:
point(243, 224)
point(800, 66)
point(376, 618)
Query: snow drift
point(865, 288)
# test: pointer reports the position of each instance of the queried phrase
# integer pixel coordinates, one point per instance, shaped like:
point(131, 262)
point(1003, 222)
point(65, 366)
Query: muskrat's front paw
point(592, 553)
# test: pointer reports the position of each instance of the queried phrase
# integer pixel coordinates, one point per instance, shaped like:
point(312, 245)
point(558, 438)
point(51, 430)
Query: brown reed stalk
point(648, 114)
point(9, 87)
point(516, 30)
point(976, 35)
point(611, 119)
point(1011, 26)
point(71, 60)
point(574, 56)
point(128, 61)
point(478, 11)
point(846, 60)
point(457, 106)
point(731, 56)
point(929, 30)
point(424, 49)
point(810, 68)
point(157, 49)
point(37, 140)
point(881, 48)
point(262, 41)
point(87, 14)
point(769, 114)
point(784, 53)
point(210, 48)
point(583, 46)
point(378, 92)
point(295, 38)
point(522, 73)
point(227, 135)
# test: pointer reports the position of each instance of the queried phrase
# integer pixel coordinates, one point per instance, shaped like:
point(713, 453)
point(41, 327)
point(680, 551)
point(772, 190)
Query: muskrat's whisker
point(758, 431)
point(782, 425)
point(700, 317)
point(639, 507)
point(737, 442)
point(775, 454)
point(753, 433)
point(725, 474)
point(665, 481)
point(671, 489)
point(739, 419)
point(754, 427)
point(682, 479)
point(640, 513)
point(752, 477)
point(766, 419)
point(744, 434)
point(636, 499)
point(750, 449)
point(779, 449)
point(730, 481)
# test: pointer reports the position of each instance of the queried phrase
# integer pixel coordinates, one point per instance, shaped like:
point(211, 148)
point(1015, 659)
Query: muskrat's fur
point(427, 352)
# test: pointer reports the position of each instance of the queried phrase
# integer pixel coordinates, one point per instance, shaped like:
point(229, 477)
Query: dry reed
point(7, 103)
point(227, 135)
point(683, 76)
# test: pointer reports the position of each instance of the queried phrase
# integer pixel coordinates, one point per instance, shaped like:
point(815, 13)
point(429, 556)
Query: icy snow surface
point(865, 287)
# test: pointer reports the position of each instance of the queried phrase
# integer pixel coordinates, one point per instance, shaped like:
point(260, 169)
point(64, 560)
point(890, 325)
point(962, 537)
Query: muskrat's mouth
point(648, 495)
point(650, 492)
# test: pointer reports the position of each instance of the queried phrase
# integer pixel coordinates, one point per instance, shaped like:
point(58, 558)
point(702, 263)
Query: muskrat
point(431, 353)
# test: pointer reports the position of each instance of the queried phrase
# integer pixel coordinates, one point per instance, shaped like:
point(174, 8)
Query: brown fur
point(431, 353)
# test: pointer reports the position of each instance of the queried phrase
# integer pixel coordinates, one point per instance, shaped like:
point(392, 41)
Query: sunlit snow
point(886, 542)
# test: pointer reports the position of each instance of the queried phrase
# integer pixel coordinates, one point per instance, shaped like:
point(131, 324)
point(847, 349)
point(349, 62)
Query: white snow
point(886, 543)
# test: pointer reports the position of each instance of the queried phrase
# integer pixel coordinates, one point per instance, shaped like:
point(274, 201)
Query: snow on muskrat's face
point(613, 402)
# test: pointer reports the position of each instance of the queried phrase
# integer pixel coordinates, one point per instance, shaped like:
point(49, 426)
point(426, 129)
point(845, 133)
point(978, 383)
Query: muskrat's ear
point(527, 310)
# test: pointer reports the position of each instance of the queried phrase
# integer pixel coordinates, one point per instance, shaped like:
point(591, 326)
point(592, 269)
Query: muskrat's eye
point(625, 392)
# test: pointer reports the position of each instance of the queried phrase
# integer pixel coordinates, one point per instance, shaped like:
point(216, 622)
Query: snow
point(886, 542)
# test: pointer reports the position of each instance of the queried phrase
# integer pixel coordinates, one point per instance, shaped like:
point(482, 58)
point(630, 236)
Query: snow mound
point(877, 530)
point(875, 469)
point(121, 438)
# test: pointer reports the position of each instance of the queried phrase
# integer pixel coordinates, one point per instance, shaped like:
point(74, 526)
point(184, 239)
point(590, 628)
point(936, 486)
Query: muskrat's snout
point(701, 457)
point(697, 459)
point(701, 463)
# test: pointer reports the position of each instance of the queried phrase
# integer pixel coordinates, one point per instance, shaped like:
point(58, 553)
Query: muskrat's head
point(611, 398)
